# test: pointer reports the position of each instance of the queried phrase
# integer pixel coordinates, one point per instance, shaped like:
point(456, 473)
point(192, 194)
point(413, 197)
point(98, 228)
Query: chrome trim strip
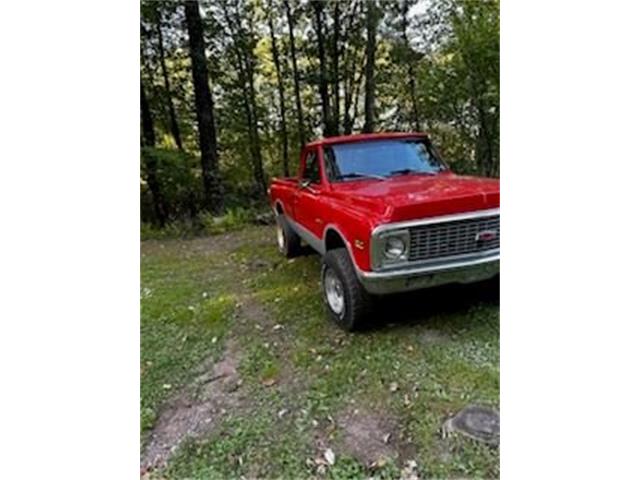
point(429, 220)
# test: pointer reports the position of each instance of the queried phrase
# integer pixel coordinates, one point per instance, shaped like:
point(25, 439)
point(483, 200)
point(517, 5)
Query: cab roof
point(363, 137)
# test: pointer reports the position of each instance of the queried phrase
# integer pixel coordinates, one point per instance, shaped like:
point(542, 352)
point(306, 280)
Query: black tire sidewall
point(345, 321)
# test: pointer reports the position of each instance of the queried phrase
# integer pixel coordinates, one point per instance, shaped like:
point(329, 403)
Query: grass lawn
point(242, 374)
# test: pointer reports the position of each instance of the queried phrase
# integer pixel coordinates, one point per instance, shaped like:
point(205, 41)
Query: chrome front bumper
point(414, 278)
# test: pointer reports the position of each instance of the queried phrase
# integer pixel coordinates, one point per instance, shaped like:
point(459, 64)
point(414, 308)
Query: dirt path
point(218, 390)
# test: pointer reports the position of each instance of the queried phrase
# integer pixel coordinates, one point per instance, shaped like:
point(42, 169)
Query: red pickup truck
point(387, 215)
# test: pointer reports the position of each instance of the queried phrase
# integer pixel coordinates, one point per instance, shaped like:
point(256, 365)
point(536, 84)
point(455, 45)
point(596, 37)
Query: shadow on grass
point(418, 307)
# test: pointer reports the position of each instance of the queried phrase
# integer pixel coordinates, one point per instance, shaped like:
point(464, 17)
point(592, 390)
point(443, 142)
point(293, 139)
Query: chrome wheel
point(333, 292)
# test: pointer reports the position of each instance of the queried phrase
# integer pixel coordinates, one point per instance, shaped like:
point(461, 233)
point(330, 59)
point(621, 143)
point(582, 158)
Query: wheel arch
point(334, 238)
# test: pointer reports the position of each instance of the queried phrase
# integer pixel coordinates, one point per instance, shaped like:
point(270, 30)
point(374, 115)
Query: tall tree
point(204, 110)
point(351, 96)
point(408, 57)
point(327, 120)
point(296, 76)
point(335, 65)
point(283, 118)
point(148, 133)
point(350, 52)
point(175, 130)
point(151, 167)
point(370, 87)
point(242, 44)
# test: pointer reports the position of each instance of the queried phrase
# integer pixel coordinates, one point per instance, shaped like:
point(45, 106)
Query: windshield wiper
point(407, 171)
point(360, 175)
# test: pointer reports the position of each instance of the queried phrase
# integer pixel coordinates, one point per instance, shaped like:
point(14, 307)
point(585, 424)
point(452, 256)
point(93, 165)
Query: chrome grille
point(458, 237)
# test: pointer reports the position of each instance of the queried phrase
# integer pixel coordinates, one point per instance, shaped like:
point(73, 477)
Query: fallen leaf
point(329, 456)
point(386, 438)
point(381, 462)
point(268, 382)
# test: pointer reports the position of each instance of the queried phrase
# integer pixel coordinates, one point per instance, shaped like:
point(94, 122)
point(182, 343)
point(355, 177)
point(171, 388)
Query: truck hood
point(409, 197)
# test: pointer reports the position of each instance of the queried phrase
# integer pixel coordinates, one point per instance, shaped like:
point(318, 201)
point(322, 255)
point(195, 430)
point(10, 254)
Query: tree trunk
point(370, 88)
point(151, 168)
point(351, 96)
point(204, 110)
point(148, 133)
point(175, 131)
point(250, 65)
point(356, 96)
point(350, 67)
point(318, 7)
point(335, 62)
point(283, 117)
point(410, 70)
point(296, 77)
point(414, 101)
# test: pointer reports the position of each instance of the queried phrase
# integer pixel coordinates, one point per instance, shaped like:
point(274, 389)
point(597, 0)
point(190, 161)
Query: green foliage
point(461, 85)
point(233, 219)
point(436, 69)
point(178, 178)
point(205, 223)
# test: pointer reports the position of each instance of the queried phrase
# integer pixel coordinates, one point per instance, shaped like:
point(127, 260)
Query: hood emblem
point(486, 235)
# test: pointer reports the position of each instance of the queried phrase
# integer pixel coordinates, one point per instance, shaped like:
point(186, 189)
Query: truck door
point(307, 200)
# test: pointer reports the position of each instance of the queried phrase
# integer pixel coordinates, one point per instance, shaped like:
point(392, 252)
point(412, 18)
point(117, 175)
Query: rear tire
point(288, 240)
point(346, 299)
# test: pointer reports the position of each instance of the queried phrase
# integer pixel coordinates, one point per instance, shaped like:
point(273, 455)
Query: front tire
point(346, 299)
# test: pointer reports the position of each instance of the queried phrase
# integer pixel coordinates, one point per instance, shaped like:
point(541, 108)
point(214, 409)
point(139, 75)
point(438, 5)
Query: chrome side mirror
point(304, 183)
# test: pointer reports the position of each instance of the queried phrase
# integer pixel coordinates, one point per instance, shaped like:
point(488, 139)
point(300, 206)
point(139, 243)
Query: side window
point(311, 168)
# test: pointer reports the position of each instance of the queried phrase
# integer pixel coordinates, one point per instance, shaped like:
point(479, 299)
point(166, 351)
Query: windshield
point(380, 159)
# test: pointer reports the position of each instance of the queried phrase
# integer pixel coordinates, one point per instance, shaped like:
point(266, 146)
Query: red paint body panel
point(355, 208)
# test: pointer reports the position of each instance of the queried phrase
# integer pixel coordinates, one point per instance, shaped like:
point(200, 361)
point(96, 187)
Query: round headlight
point(394, 248)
